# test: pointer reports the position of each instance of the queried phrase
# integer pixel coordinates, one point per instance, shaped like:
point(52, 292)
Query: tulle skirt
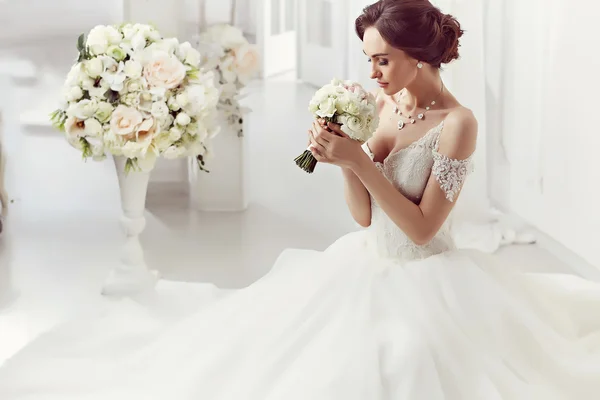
point(342, 324)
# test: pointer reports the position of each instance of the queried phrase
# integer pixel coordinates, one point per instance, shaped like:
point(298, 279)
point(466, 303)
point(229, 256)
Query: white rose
point(227, 68)
point(101, 37)
point(159, 109)
point(192, 128)
point(326, 108)
point(164, 71)
point(134, 85)
point(229, 90)
point(125, 121)
point(97, 40)
point(94, 67)
point(246, 61)
point(132, 100)
point(73, 94)
point(138, 42)
point(145, 102)
point(182, 99)
point(351, 108)
point(166, 122)
point(97, 148)
point(170, 45)
point(134, 149)
point(188, 54)
point(200, 97)
point(104, 111)
point(93, 127)
point(175, 134)
point(75, 74)
point(173, 104)
point(174, 152)
point(183, 119)
point(147, 161)
point(226, 35)
point(163, 141)
point(354, 127)
point(113, 35)
point(133, 69)
point(116, 52)
point(83, 109)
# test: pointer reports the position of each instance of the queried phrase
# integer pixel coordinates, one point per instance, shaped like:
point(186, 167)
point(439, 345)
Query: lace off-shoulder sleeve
point(450, 173)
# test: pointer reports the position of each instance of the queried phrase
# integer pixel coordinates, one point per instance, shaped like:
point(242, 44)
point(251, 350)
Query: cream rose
point(147, 129)
point(74, 127)
point(164, 71)
point(125, 121)
point(246, 61)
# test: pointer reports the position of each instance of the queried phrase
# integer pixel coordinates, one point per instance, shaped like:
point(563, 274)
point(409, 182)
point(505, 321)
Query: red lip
point(382, 83)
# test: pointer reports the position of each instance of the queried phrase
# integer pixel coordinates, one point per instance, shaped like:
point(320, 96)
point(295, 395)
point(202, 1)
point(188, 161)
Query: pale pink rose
point(74, 127)
point(246, 60)
point(125, 121)
point(147, 129)
point(164, 71)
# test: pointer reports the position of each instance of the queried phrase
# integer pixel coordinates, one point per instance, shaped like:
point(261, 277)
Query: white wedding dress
point(373, 317)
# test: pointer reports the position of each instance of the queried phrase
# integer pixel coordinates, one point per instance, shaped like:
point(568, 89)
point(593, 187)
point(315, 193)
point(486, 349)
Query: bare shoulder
point(459, 136)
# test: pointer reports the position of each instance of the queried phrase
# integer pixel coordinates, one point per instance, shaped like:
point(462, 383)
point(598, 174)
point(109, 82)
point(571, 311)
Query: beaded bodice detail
point(409, 170)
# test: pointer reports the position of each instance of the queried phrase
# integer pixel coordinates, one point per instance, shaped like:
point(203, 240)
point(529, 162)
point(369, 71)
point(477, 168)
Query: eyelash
point(382, 62)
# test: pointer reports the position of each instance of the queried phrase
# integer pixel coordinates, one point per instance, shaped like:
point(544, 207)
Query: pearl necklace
point(420, 116)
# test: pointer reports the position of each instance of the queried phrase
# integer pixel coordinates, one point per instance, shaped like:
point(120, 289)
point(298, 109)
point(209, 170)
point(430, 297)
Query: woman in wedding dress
point(393, 311)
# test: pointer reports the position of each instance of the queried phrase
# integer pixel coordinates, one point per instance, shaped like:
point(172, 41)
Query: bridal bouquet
point(235, 62)
point(345, 103)
point(135, 94)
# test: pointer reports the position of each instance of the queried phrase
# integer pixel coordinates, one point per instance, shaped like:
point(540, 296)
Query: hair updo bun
point(415, 26)
point(450, 35)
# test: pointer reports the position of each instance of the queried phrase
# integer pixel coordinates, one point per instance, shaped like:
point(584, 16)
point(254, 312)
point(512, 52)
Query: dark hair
point(414, 26)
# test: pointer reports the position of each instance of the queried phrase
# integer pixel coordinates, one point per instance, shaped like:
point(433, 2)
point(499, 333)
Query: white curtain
point(528, 70)
point(549, 107)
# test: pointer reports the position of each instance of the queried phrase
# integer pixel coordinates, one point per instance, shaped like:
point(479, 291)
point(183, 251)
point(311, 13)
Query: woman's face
point(392, 68)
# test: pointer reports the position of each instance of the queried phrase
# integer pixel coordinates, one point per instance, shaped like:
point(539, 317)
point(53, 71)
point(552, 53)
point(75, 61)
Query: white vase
point(131, 276)
point(224, 187)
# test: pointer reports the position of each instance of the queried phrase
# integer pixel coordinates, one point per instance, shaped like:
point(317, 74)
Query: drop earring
point(419, 65)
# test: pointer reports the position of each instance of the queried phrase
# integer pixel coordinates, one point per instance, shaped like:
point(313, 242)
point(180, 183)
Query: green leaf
point(87, 149)
point(131, 165)
point(58, 119)
point(81, 42)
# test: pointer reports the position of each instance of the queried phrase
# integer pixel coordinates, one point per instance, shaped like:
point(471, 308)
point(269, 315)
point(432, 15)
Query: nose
point(375, 73)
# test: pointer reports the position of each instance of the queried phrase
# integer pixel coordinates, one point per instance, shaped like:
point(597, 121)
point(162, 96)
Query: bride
point(393, 311)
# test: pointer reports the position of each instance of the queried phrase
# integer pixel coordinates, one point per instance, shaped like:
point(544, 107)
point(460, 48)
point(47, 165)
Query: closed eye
point(381, 62)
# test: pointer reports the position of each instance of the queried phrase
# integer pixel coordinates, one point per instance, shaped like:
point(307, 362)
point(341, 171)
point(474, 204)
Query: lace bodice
point(409, 171)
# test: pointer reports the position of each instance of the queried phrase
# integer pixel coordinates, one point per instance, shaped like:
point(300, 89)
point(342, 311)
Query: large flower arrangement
point(135, 94)
point(235, 62)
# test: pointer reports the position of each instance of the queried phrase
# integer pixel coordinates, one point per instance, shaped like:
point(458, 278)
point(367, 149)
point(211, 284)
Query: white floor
point(62, 234)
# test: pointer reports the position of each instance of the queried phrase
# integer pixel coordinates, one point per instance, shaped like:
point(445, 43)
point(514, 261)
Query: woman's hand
point(329, 144)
